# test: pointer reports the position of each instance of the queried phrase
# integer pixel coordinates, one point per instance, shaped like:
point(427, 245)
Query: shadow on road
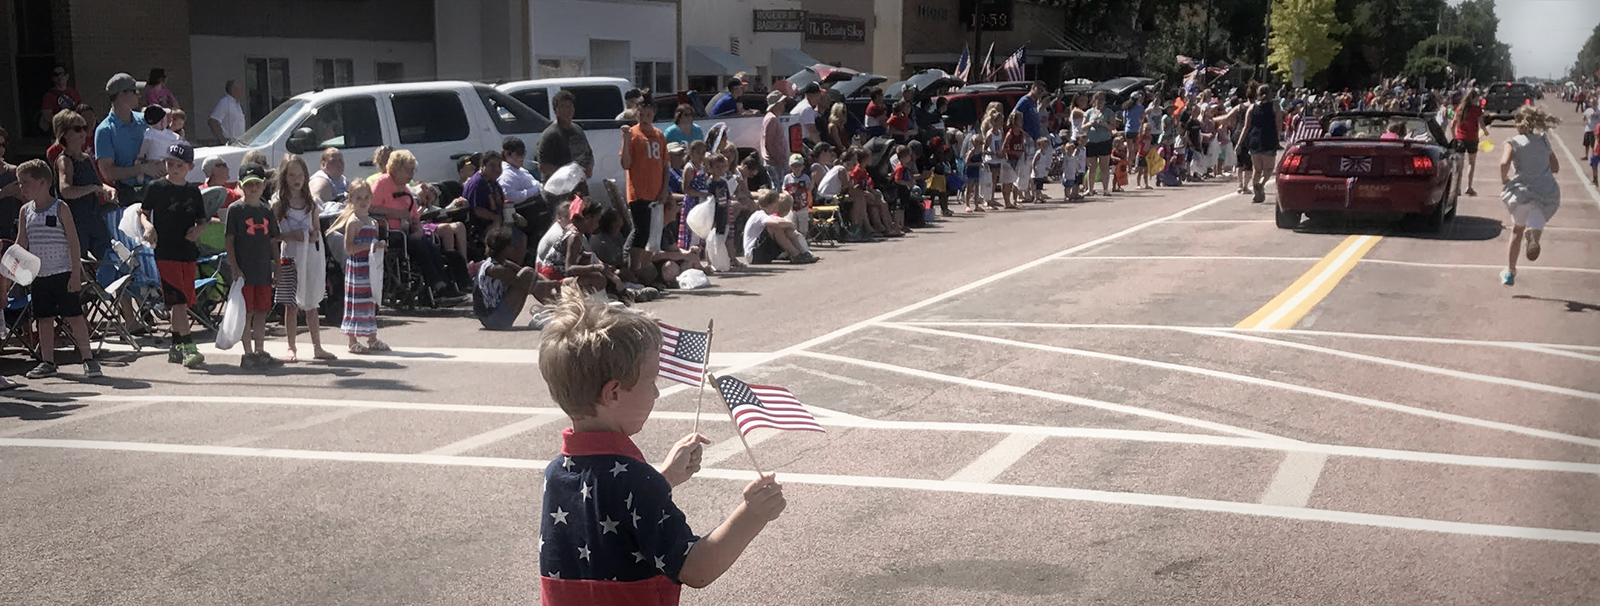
point(44, 411)
point(1462, 228)
point(1576, 306)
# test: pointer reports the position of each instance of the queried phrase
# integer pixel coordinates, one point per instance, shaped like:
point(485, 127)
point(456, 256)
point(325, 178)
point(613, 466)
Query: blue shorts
point(500, 318)
point(1594, 161)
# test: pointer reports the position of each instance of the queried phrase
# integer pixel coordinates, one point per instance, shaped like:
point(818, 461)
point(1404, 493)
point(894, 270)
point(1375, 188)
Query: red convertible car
point(1389, 164)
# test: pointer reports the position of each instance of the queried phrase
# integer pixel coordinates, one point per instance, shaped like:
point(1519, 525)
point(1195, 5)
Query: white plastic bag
point(311, 271)
point(703, 218)
point(692, 279)
point(656, 225)
point(375, 273)
point(231, 329)
point(129, 225)
point(19, 265)
point(717, 251)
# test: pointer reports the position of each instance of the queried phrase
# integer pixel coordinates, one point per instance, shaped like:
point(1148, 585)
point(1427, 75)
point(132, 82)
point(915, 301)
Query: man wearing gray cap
point(117, 141)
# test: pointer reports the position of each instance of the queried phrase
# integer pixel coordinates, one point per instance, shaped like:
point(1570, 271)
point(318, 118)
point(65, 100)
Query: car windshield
point(1380, 127)
point(270, 126)
point(1518, 89)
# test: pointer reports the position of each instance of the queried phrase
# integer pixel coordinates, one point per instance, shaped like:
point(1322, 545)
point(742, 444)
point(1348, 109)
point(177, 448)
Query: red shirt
point(860, 176)
point(1469, 123)
point(875, 113)
point(899, 122)
point(1014, 144)
point(57, 100)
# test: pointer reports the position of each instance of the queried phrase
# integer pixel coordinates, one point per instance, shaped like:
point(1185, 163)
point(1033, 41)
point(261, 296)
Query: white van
point(439, 122)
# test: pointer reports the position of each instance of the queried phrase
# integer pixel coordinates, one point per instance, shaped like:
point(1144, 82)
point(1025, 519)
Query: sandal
point(323, 354)
point(376, 345)
point(293, 356)
point(358, 348)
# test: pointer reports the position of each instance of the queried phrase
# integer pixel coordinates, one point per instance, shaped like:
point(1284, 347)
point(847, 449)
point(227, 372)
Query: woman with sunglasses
point(80, 183)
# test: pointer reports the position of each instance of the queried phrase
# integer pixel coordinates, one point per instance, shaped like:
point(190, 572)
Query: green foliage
point(1433, 71)
point(1588, 57)
point(1304, 29)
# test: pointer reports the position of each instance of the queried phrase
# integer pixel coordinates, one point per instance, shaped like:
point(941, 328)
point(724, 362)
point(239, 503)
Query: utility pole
point(977, 41)
point(1205, 44)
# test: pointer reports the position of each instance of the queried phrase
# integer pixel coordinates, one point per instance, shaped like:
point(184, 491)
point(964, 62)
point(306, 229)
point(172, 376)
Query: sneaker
point(804, 259)
point(541, 319)
point(192, 356)
point(1260, 194)
point(248, 362)
point(267, 361)
point(44, 369)
point(7, 384)
point(1533, 249)
point(1472, 192)
point(91, 369)
point(175, 353)
point(1508, 277)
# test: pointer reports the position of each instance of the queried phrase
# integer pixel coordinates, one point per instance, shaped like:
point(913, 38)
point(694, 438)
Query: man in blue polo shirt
point(1029, 106)
point(117, 140)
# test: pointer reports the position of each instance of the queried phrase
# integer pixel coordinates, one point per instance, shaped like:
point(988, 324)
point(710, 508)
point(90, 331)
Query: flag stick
point(710, 332)
point(737, 430)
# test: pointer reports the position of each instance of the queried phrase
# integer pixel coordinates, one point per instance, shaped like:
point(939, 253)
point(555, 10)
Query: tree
point(1588, 57)
point(1307, 30)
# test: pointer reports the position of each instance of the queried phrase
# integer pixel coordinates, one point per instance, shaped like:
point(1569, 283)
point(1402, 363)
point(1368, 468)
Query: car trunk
point(1364, 158)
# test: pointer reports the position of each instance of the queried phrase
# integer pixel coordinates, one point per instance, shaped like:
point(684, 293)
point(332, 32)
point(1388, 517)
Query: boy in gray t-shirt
point(252, 236)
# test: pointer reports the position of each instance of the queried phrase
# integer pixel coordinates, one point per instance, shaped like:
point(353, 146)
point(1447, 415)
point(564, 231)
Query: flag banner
point(768, 406)
point(1185, 61)
point(964, 65)
point(1014, 66)
point(683, 354)
point(984, 69)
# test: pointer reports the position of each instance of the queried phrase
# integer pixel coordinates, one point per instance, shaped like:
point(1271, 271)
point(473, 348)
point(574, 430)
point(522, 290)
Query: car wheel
point(1435, 220)
point(1287, 219)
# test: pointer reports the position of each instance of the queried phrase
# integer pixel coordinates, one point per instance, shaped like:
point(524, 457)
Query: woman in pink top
point(393, 203)
point(156, 91)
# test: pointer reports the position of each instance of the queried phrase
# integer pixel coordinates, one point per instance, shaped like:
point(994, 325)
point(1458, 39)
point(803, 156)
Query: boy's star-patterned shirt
point(610, 533)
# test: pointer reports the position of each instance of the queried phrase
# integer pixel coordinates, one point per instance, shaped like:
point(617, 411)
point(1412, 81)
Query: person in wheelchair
point(393, 203)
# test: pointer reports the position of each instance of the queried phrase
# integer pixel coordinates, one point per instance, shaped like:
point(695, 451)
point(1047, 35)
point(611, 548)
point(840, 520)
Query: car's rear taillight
point(1422, 165)
point(1292, 163)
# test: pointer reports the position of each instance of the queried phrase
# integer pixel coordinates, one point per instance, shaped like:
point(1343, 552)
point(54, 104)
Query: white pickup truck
point(437, 121)
point(600, 100)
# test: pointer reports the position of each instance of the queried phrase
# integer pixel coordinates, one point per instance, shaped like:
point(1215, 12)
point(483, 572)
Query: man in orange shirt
point(645, 161)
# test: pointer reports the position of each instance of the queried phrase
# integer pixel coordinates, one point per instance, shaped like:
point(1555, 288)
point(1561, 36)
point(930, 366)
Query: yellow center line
point(1286, 310)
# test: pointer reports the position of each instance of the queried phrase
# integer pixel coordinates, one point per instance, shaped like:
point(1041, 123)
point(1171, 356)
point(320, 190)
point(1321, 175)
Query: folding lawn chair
point(826, 225)
point(101, 309)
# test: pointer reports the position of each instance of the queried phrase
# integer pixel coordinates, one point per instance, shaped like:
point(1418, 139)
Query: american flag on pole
point(1185, 60)
point(1014, 65)
point(683, 354)
point(756, 406)
point(984, 69)
point(964, 64)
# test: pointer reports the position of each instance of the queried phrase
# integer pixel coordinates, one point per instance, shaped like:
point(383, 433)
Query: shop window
point(266, 85)
point(656, 75)
point(330, 73)
point(563, 68)
point(386, 72)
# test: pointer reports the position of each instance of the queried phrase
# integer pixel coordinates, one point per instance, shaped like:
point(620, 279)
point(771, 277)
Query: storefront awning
point(789, 61)
point(713, 61)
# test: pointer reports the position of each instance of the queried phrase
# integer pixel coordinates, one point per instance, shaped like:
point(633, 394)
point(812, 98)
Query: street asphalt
point(1157, 397)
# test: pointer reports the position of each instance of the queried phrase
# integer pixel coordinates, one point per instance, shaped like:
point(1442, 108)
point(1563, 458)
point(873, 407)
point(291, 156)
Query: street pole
point(977, 42)
point(1205, 44)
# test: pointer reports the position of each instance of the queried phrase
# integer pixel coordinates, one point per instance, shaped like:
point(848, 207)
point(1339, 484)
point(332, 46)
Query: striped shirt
point(47, 238)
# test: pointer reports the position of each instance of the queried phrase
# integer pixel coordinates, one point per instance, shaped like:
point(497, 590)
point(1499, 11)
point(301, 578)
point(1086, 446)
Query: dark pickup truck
point(1503, 99)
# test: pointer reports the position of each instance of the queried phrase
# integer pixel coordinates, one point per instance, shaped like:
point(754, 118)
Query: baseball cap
point(812, 88)
point(182, 152)
point(58, 71)
point(154, 114)
point(774, 98)
point(676, 148)
point(734, 82)
point(252, 172)
point(797, 160)
point(120, 83)
point(210, 163)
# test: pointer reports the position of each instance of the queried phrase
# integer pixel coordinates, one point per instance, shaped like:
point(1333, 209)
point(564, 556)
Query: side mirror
point(300, 141)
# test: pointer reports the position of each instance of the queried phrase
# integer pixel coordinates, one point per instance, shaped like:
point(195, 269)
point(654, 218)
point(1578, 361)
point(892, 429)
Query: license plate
point(1355, 164)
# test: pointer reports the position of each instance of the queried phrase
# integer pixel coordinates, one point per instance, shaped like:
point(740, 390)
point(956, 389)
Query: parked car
point(605, 135)
point(927, 82)
point(437, 121)
point(1502, 99)
point(966, 105)
point(858, 84)
point(1360, 173)
point(1119, 89)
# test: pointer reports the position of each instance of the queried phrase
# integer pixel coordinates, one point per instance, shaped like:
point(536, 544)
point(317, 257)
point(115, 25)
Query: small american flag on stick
point(683, 354)
point(754, 406)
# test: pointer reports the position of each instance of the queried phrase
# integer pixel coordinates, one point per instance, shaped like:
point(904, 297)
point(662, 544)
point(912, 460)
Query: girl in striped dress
point(694, 190)
point(360, 238)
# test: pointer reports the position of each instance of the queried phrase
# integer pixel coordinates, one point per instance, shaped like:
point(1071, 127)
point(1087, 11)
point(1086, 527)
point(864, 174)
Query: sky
point(1545, 35)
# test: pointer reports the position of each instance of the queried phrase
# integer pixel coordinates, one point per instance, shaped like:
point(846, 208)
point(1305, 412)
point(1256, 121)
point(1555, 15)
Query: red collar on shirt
point(591, 443)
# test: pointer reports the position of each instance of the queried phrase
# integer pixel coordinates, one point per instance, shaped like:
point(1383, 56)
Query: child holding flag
point(608, 514)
